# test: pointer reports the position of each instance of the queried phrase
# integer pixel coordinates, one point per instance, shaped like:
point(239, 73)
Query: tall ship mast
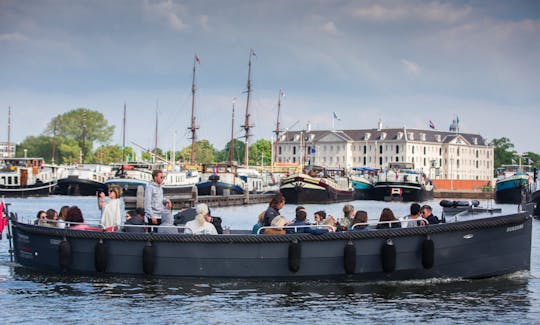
point(231, 144)
point(124, 135)
point(246, 125)
point(277, 131)
point(9, 133)
point(193, 128)
point(156, 134)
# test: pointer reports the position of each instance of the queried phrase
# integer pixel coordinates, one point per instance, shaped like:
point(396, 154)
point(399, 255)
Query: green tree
point(204, 152)
point(260, 152)
point(35, 146)
point(238, 152)
point(84, 126)
point(534, 157)
point(111, 154)
point(503, 152)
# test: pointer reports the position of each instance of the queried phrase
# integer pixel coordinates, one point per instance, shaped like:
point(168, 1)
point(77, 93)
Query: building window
point(424, 159)
point(397, 159)
point(365, 149)
point(279, 150)
point(440, 151)
point(364, 160)
point(424, 152)
point(294, 150)
point(380, 149)
point(397, 149)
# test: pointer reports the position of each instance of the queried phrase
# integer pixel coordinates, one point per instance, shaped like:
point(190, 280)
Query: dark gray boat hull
point(469, 249)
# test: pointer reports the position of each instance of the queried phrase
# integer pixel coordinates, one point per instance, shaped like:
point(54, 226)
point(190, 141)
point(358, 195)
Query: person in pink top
point(74, 214)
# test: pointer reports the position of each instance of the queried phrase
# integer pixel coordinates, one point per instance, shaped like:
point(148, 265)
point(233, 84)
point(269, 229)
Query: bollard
point(213, 190)
point(195, 194)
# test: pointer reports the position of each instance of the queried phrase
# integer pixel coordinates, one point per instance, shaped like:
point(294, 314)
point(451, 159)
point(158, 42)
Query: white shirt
point(206, 229)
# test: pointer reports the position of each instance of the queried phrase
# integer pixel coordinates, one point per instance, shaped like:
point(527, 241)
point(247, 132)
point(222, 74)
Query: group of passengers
point(272, 222)
point(155, 217)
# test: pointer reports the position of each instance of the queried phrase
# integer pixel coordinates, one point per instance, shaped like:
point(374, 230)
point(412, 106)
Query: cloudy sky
point(405, 62)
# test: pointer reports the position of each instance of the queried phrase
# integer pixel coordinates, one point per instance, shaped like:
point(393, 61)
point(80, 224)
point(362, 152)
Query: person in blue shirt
point(301, 217)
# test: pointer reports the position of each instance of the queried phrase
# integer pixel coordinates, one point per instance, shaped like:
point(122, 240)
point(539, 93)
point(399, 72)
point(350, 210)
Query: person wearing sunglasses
point(153, 198)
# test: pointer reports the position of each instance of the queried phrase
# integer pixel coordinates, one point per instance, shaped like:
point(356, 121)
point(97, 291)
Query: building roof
point(397, 134)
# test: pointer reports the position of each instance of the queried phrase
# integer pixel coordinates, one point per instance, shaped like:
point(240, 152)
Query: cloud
point(329, 27)
point(12, 37)
point(203, 20)
point(411, 67)
point(168, 10)
point(439, 12)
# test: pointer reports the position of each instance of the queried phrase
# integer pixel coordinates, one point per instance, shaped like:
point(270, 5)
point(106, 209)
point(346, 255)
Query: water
point(31, 297)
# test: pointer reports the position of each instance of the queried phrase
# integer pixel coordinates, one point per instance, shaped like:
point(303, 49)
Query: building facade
point(4, 153)
point(439, 154)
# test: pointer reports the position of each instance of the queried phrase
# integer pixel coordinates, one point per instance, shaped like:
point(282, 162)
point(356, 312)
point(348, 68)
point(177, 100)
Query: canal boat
point(401, 182)
point(512, 183)
point(363, 180)
point(82, 180)
point(467, 247)
point(317, 184)
point(220, 179)
point(22, 177)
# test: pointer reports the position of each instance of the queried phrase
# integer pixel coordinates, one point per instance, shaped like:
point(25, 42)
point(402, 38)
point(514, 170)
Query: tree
point(39, 146)
point(204, 152)
point(111, 154)
point(534, 157)
point(238, 152)
point(260, 152)
point(503, 152)
point(84, 126)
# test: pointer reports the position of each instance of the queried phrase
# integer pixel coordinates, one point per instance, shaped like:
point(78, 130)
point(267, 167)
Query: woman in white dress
point(201, 224)
point(112, 209)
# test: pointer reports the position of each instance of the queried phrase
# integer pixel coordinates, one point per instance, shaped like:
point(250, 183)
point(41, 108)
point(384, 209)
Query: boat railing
point(373, 223)
point(329, 227)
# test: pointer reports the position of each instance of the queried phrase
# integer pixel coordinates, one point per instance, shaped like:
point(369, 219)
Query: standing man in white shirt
point(153, 198)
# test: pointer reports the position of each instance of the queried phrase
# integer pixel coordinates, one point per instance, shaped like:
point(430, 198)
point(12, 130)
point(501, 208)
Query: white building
point(439, 154)
point(4, 150)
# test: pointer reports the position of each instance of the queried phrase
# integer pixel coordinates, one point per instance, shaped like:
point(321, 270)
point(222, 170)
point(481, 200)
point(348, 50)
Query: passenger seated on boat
point(319, 216)
point(167, 226)
point(428, 215)
point(216, 221)
point(277, 203)
point(52, 217)
point(331, 221)
point(62, 216)
point(414, 219)
point(75, 215)
point(360, 220)
point(41, 218)
point(348, 216)
point(259, 224)
point(301, 221)
point(134, 218)
point(277, 222)
point(201, 224)
point(388, 220)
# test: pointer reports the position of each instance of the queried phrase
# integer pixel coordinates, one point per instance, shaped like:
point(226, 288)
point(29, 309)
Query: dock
point(186, 201)
point(461, 194)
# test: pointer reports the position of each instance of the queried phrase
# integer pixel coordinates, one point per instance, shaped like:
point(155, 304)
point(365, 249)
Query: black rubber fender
point(388, 256)
point(295, 254)
point(65, 255)
point(100, 256)
point(428, 253)
point(349, 258)
point(149, 258)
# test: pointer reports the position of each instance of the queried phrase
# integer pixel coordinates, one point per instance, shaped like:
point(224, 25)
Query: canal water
point(30, 297)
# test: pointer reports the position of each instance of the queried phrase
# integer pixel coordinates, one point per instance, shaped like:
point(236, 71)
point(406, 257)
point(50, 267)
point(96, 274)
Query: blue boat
point(512, 183)
point(363, 181)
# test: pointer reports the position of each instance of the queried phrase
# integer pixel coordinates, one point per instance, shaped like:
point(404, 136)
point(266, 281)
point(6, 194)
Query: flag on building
point(514, 162)
point(336, 117)
point(197, 59)
point(252, 52)
point(431, 125)
point(530, 161)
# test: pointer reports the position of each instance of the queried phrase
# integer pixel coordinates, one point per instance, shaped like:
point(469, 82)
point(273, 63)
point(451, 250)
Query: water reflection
point(415, 301)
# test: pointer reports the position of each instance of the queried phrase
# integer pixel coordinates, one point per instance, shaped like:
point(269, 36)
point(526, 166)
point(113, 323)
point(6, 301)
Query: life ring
point(295, 252)
point(428, 253)
point(65, 255)
point(100, 256)
point(388, 256)
point(149, 258)
point(349, 258)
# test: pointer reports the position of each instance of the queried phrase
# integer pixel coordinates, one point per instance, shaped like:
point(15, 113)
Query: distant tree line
point(70, 138)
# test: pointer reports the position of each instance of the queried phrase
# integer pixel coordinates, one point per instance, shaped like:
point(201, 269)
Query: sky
point(402, 62)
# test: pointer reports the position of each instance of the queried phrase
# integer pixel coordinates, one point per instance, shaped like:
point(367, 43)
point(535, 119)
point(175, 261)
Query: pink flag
point(3, 219)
